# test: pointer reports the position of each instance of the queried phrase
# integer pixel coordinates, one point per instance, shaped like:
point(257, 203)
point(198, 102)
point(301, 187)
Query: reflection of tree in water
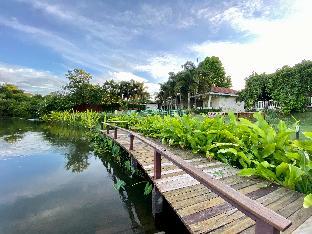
point(13, 129)
point(13, 138)
point(131, 196)
point(77, 159)
point(75, 140)
point(136, 202)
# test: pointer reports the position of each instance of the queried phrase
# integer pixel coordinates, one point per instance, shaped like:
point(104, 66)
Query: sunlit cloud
point(275, 43)
point(152, 39)
point(160, 66)
point(30, 80)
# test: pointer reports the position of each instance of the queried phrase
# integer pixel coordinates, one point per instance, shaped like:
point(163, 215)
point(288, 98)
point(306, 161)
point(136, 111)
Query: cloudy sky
point(144, 40)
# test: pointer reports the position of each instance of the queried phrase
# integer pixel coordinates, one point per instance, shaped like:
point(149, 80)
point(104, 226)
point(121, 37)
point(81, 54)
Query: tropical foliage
point(15, 102)
point(88, 119)
point(78, 94)
point(289, 86)
point(194, 79)
point(255, 147)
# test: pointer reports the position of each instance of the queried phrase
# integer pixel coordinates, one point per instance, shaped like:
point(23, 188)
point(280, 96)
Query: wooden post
point(265, 228)
point(297, 132)
point(115, 133)
point(157, 202)
point(157, 165)
point(131, 141)
point(107, 129)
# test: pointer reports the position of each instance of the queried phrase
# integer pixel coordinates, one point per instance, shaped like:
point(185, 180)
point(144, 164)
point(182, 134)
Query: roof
point(222, 90)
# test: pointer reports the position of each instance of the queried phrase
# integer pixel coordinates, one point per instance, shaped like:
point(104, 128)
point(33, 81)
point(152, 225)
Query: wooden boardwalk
point(200, 209)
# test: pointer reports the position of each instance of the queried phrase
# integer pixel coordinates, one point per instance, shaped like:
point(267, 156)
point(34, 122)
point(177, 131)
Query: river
point(51, 182)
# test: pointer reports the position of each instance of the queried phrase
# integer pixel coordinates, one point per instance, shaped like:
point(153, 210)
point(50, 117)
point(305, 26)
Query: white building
point(219, 98)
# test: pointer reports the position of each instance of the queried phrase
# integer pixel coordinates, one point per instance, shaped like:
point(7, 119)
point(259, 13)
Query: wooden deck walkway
point(200, 209)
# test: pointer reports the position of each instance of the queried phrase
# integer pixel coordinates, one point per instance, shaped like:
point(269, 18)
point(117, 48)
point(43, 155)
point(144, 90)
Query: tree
point(289, 86)
point(14, 102)
point(194, 79)
point(79, 86)
point(211, 72)
point(256, 89)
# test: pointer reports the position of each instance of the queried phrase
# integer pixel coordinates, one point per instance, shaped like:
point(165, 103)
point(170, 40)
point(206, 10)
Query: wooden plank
point(245, 222)
point(231, 216)
point(215, 201)
point(201, 209)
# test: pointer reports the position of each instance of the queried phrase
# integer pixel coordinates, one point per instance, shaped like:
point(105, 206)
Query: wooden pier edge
point(267, 221)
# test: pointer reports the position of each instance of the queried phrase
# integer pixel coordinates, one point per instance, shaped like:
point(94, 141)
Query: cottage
point(219, 98)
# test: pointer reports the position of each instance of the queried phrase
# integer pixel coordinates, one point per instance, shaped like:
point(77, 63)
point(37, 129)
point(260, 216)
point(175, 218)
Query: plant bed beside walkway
point(202, 210)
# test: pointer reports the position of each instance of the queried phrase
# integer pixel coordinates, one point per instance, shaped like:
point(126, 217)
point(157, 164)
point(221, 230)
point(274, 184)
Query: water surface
point(51, 182)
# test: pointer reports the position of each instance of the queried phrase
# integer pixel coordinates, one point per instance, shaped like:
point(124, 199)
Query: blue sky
point(144, 40)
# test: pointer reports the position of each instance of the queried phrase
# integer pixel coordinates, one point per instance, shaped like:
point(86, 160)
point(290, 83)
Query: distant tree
point(79, 86)
point(289, 86)
point(194, 79)
point(14, 102)
point(211, 72)
point(256, 89)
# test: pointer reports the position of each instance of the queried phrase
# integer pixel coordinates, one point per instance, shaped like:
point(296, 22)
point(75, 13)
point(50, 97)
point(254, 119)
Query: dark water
point(50, 182)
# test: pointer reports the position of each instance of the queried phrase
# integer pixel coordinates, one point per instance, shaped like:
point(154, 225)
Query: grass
point(304, 118)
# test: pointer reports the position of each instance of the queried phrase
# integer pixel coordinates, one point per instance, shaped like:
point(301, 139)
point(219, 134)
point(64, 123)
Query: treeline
point(194, 79)
point(16, 103)
point(78, 94)
point(291, 87)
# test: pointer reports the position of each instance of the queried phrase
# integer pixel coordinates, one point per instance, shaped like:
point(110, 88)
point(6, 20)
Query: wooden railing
point(267, 221)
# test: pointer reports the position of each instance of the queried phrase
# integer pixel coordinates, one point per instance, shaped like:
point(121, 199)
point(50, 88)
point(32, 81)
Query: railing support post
point(107, 129)
point(157, 164)
point(115, 133)
point(157, 202)
point(131, 141)
point(265, 228)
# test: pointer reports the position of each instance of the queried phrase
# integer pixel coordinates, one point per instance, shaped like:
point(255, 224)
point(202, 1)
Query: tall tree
point(256, 89)
point(79, 86)
point(211, 72)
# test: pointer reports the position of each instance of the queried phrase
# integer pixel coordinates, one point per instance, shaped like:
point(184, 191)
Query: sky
point(40, 40)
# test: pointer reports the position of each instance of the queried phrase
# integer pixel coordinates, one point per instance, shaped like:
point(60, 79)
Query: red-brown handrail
point(267, 221)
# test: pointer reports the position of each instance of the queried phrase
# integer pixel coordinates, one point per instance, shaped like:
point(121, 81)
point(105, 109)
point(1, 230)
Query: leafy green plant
point(256, 147)
point(307, 201)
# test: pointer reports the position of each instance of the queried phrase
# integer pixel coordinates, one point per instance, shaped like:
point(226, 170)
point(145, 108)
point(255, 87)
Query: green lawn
point(305, 119)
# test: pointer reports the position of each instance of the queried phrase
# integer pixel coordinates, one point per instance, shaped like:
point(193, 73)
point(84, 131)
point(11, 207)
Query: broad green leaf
point(268, 150)
point(148, 188)
point(282, 169)
point(307, 203)
point(308, 134)
point(266, 164)
point(293, 156)
point(120, 184)
point(228, 150)
point(248, 172)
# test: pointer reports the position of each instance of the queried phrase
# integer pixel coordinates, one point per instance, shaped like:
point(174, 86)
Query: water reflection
point(40, 194)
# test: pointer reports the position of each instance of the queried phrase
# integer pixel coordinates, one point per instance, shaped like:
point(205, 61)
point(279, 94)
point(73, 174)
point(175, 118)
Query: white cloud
point(160, 66)
point(30, 80)
point(125, 76)
point(151, 88)
point(275, 43)
point(100, 30)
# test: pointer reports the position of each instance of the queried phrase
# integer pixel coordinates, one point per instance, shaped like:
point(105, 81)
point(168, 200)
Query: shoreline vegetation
point(256, 147)
point(259, 147)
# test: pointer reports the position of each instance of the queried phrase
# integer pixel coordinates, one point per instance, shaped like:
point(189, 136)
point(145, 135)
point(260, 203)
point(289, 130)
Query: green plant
point(256, 147)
